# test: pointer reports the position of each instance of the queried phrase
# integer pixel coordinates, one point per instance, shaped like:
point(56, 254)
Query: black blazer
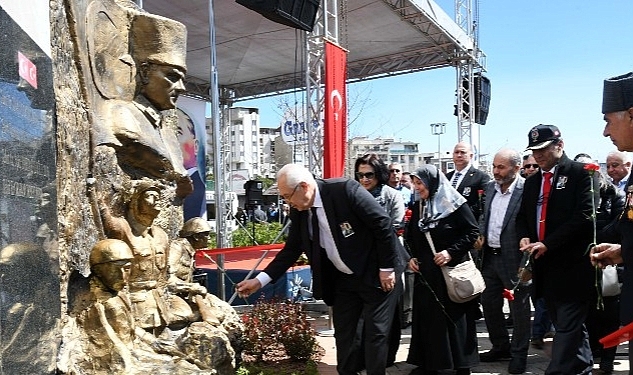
point(564, 272)
point(362, 231)
point(473, 181)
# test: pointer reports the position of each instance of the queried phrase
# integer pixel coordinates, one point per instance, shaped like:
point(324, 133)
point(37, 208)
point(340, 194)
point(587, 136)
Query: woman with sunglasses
point(372, 173)
point(443, 333)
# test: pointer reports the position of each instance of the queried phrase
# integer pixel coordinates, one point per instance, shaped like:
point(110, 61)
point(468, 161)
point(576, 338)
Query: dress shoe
point(420, 371)
point(517, 365)
point(462, 371)
point(494, 355)
point(606, 367)
point(537, 343)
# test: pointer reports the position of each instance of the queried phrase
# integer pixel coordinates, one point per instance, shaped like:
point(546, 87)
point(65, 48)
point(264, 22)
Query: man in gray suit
point(501, 261)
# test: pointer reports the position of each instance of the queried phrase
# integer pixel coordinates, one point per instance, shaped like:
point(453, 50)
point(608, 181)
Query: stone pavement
point(537, 359)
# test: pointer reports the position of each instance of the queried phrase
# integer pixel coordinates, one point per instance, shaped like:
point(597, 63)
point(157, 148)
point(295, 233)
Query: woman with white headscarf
point(443, 334)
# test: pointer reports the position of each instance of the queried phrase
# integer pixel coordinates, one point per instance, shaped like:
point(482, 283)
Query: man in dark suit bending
point(554, 224)
point(351, 245)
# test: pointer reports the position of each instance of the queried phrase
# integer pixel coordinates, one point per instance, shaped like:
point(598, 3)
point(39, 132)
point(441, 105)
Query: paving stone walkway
point(537, 359)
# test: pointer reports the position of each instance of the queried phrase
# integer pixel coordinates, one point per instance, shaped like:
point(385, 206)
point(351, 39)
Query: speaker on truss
point(254, 189)
point(299, 14)
point(482, 98)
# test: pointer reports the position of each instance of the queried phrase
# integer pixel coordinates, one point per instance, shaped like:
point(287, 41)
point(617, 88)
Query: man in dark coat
point(554, 224)
point(468, 180)
point(617, 107)
point(351, 245)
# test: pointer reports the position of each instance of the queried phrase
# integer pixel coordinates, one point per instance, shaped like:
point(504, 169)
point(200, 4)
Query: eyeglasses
point(288, 198)
point(368, 175)
point(535, 166)
point(394, 171)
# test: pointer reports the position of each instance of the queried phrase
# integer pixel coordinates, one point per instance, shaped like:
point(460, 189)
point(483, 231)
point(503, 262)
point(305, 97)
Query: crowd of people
point(540, 227)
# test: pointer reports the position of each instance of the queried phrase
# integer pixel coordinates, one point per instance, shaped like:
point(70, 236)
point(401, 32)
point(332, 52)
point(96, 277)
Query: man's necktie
point(315, 262)
point(455, 179)
point(547, 186)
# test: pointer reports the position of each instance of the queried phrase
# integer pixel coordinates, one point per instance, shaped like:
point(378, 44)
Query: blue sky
point(547, 60)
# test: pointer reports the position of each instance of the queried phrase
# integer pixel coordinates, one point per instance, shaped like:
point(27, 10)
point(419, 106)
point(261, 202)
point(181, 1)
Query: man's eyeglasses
point(394, 171)
point(288, 198)
point(368, 175)
point(535, 166)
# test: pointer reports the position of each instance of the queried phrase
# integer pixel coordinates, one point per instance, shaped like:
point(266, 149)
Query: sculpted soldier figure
point(193, 236)
point(154, 308)
point(115, 345)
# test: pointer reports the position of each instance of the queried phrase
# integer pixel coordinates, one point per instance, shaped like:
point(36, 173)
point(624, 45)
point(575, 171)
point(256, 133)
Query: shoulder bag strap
point(431, 244)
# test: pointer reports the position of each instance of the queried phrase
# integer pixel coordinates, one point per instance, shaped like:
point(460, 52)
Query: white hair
point(624, 156)
point(295, 174)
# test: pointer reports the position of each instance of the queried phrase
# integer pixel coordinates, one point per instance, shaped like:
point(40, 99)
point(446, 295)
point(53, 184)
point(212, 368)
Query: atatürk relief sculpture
point(148, 78)
point(140, 312)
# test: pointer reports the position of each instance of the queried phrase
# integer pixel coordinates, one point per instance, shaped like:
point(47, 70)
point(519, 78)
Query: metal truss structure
point(467, 67)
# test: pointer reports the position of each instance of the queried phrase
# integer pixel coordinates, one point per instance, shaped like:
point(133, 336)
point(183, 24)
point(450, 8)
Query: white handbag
point(464, 282)
point(611, 286)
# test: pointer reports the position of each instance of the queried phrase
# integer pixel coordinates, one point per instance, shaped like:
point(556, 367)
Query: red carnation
point(592, 167)
point(407, 215)
point(508, 294)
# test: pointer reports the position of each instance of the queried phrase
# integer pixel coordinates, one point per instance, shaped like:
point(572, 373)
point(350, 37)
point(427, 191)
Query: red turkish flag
point(27, 70)
point(335, 128)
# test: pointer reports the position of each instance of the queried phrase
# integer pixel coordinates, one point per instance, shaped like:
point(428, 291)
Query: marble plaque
point(29, 260)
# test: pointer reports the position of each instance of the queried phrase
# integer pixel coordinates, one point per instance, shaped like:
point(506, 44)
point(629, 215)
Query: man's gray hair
point(624, 156)
point(295, 174)
point(513, 156)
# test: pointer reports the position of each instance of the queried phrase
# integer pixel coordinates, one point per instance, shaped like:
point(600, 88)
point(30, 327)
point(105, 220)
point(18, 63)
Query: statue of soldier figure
point(195, 236)
point(115, 344)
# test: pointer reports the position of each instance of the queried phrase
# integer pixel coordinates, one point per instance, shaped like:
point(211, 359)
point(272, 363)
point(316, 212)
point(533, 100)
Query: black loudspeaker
point(254, 189)
point(482, 98)
point(299, 14)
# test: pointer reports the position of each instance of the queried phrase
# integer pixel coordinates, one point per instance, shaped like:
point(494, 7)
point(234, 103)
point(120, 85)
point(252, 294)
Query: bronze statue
point(154, 307)
point(193, 236)
point(154, 62)
point(114, 344)
point(136, 309)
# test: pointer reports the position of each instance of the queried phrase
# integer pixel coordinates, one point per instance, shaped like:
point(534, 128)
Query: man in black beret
point(617, 107)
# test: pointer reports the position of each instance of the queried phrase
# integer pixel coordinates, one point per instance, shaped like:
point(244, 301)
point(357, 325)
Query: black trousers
point(355, 301)
point(571, 353)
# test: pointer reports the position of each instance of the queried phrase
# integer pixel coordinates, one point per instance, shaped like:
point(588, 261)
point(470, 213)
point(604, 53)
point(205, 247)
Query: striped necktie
point(455, 179)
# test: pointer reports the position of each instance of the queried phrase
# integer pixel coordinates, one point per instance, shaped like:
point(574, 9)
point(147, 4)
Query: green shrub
point(277, 326)
point(264, 235)
point(278, 368)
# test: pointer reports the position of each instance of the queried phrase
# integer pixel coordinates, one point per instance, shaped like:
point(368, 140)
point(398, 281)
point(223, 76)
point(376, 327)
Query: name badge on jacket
point(562, 181)
point(346, 229)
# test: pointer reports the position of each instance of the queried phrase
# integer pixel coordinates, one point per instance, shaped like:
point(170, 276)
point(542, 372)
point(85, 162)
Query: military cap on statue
point(159, 40)
point(618, 93)
point(542, 136)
